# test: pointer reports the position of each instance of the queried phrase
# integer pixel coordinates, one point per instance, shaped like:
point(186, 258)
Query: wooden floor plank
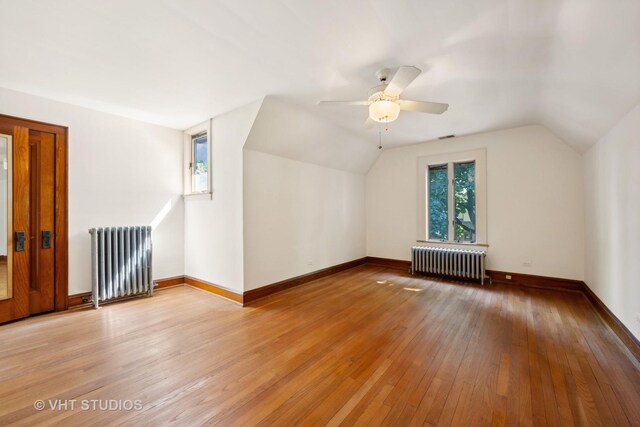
point(366, 346)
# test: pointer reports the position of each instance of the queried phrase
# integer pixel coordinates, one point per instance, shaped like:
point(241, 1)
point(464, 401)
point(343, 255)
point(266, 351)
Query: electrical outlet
point(526, 263)
point(508, 277)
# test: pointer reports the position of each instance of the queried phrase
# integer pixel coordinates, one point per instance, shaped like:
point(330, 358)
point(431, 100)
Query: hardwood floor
point(367, 346)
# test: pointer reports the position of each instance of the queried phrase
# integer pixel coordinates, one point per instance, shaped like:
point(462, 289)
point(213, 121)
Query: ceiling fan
point(384, 100)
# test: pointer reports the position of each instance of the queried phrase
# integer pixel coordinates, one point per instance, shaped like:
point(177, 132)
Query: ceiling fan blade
point(423, 107)
point(401, 79)
point(363, 103)
point(369, 123)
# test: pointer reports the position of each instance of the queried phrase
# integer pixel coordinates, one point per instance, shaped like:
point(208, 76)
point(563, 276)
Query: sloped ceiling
point(571, 65)
point(290, 130)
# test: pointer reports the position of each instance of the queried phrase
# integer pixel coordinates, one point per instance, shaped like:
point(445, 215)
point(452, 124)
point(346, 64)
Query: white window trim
point(480, 157)
point(187, 155)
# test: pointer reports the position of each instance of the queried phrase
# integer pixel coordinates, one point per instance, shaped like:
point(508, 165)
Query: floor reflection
point(4, 288)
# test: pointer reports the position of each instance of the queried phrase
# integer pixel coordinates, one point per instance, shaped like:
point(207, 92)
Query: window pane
point(200, 164)
point(438, 195)
point(464, 196)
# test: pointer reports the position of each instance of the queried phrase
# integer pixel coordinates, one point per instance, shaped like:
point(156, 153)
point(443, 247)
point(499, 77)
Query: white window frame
point(478, 156)
point(204, 127)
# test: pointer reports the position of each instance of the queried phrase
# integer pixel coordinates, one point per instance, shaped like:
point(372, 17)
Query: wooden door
point(36, 279)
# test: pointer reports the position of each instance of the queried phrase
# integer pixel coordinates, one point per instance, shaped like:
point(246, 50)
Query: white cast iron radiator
point(466, 264)
point(120, 262)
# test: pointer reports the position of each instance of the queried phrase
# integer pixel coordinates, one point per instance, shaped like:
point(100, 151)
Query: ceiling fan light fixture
point(384, 110)
point(384, 100)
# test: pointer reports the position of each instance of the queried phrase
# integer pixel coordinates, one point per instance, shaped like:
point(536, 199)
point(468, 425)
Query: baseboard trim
point(610, 319)
point(533, 281)
point(82, 299)
point(390, 263)
point(79, 300)
point(169, 282)
point(254, 294)
point(215, 289)
point(517, 279)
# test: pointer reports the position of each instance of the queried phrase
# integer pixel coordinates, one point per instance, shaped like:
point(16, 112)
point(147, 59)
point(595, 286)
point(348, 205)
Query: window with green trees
point(438, 200)
point(455, 197)
point(464, 193)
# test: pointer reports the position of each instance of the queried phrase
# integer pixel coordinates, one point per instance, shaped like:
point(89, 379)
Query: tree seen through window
point(462, 197)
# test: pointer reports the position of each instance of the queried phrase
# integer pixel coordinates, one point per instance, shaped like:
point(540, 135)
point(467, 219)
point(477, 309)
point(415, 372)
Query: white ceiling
point(571, 65)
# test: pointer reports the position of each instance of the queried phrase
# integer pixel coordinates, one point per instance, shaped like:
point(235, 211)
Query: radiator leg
point(94, 268)
point(413, 260)
point(482, 270)
point(150, 260)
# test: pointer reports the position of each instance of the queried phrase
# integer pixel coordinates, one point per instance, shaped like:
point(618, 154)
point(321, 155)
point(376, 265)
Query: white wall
point(534, 200)
point(213, 228)
point(121, 172)
point(612, 220)
point(298, 218)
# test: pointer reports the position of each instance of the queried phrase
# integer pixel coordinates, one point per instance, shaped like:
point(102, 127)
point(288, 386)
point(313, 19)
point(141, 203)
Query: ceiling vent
point(446, 137)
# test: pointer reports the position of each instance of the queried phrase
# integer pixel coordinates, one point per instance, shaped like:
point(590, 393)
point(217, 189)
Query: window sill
point(198, 196)
point(454, 243)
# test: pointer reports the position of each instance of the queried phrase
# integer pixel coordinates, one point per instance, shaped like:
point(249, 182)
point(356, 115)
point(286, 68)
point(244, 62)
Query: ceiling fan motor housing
point(383, 74)
point(377, 92)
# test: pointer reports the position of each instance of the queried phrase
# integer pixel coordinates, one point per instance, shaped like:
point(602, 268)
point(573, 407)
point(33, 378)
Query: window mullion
point(427, 199)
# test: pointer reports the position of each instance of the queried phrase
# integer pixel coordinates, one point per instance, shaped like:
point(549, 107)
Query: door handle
point(20, 238)
point(46, 239)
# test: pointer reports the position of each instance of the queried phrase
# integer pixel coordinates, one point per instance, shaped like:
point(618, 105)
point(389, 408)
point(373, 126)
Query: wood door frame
point(61, 238)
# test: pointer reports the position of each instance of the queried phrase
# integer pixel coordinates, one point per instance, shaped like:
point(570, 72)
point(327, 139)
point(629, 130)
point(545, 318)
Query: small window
point(199, 163)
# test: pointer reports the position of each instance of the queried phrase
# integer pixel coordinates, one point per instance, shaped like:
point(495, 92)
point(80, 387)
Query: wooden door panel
point(60, 216)
point(18, 306)
point(34, 283)
point(46, 256)
point(42, 283)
